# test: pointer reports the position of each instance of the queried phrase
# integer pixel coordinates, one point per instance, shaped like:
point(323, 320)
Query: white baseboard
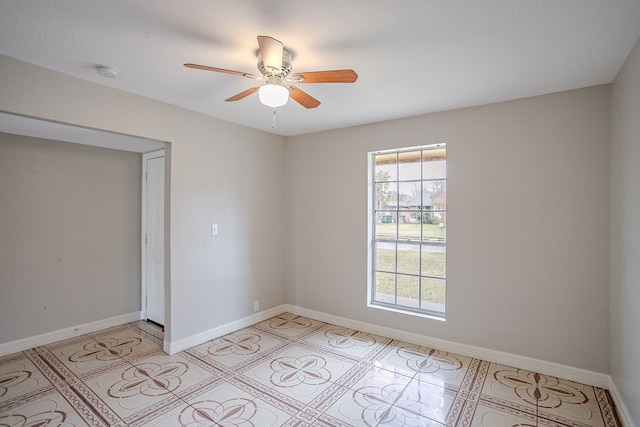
point(571, 373)
point(217, 332)
point(66, 333)
point(621, 407)
point(582, 376)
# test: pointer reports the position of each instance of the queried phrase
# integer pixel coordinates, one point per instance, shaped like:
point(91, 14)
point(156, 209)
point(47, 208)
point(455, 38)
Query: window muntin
point(408, 253)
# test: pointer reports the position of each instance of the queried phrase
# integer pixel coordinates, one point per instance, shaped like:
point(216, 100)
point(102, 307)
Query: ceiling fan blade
point(220, 70)
point(271, 51)
point(303, 98)
point(243, 94)
point(329, 76)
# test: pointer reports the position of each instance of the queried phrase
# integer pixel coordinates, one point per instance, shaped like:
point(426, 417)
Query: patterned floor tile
point(165, 414)
point(373, 406)
point(485, 414)
point(351, 343)
point(130, 391)
point(357, 409)
point(299, 373)
point(370, 399)
point(380, 381)
point(56, 408)
point(430, 401)
point(121, 394)
point(236, 349)
point(286, 371)
point(517, 388)
point(568, 401)
point(20, 380)
point(289, 325)
point(227, 404)
point(428, 365)
point(559, 401)
point(81, 357)
point(127, 342)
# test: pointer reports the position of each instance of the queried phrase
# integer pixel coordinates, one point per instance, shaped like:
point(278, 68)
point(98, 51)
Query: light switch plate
point(214, 229)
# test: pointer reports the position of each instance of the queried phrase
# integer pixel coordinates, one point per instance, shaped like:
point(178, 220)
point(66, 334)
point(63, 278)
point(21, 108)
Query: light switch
point(214, 229)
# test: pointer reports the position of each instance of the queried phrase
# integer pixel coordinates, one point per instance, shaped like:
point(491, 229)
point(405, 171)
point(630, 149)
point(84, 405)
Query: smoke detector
point(108, 72)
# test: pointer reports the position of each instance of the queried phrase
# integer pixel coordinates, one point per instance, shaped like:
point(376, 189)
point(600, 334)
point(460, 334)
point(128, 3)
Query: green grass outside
point(433, 264)
point(411, 231)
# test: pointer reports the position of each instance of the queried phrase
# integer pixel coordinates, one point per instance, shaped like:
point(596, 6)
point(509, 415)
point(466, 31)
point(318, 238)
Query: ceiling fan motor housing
point(270, 71)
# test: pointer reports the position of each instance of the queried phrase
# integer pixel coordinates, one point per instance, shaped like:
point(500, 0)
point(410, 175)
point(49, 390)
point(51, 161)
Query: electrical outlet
point(256, 305)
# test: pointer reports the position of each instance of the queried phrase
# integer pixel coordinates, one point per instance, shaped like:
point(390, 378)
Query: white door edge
point(143, 230)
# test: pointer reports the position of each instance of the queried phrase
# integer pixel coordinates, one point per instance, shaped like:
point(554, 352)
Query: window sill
point(431, 316)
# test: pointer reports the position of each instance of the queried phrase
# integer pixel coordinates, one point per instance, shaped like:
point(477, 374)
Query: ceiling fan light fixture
point(273, 95)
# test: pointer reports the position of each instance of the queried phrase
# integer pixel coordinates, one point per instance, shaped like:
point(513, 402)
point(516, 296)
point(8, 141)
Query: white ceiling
point(412, 56)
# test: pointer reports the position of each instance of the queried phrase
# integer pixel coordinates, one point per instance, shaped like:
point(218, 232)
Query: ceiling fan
point(274, 64)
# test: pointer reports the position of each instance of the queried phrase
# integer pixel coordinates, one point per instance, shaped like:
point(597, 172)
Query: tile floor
point(285, 371)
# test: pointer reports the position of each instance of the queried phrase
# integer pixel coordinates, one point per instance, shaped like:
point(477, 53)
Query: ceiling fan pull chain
point(274, 119)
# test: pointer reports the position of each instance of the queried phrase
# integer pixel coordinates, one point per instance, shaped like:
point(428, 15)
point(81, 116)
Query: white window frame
point(372, 240)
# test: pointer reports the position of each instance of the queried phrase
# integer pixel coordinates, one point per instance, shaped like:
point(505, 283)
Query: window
point(408, 225)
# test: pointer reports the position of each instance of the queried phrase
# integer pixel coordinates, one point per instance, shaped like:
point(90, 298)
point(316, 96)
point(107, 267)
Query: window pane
point(408, 258)
point(386, 256)
point(434, 165)
point(386, 225)
point(408, 290)
point(410, 195)
point(409, 166)
point(386, 196)
point(386, 167)
point(385, 287)
point(435, 195)
point(434, 261)
point(409, 226)
point(433, 294)
point(434, 226)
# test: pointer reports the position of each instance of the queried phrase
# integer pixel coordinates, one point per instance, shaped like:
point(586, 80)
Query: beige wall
point(70, 233)
point(528, 215)
point(625, 232)
point(219, 173)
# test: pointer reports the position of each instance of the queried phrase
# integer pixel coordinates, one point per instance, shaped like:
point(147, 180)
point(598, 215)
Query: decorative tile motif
point(289, 325)
point(482, 415)
point(429, 365)
point(239, 344)
point(228, 405)
point(429, 401)
point(105, 349)
point(52, 410)
point(374, 407)
point(295, 371)
point(19, 377)
point(551, 400)
point(149, 379)
point(357, 345)
point(546, 392)
point(299, 373)
point(286, 371)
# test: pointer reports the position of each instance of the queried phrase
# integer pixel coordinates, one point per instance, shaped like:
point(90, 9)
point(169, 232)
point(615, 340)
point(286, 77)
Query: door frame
point(143, 232)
